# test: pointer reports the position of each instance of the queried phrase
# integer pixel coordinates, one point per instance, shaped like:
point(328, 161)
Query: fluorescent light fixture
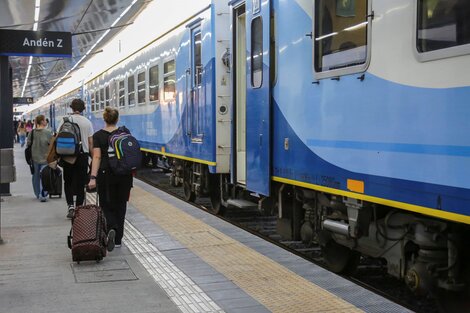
point(326, 36)
point(354, 27)
point(27, 75)
point(35, 28)
point(92, 47)
point(36, 14)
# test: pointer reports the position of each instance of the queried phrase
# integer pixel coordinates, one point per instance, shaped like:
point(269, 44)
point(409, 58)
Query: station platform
point(174, 258)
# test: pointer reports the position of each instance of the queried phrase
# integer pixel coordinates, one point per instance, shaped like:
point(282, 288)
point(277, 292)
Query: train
point(348, 119)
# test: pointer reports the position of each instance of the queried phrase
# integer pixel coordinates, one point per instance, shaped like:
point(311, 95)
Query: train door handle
point(260, 140)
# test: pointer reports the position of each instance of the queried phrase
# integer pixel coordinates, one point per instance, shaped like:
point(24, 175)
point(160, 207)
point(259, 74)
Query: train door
point(239, 46)
point(196, 100)
point(258, 96)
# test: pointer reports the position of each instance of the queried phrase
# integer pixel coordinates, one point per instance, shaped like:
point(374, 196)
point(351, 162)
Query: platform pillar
point(6, 119)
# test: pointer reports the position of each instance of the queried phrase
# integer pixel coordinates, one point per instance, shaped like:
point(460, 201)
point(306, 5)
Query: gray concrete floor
point(36, 269)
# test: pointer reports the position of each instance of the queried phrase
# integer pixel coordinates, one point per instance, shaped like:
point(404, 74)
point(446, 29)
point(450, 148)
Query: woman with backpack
point(39, 139)
point(113, 189)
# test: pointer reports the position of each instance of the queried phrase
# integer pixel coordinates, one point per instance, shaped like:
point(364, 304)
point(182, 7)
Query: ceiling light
point(35, 28)
point(92, 47)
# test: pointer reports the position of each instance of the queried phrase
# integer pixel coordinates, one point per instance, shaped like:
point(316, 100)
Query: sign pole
point(6, 119)
point(6, 113)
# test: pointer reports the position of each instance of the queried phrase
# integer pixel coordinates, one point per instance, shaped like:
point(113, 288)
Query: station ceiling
point(87, 20)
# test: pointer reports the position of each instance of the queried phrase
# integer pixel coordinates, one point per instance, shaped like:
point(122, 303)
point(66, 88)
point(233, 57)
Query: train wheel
point(340, 259)
point(216, 195)
point(189, 194)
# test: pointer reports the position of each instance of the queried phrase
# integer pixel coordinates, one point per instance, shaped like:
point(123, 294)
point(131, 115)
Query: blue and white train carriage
point(350, 119)
point(347, 118)
point(174, 95)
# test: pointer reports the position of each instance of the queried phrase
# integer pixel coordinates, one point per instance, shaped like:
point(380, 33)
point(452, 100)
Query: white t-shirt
point(86, 129)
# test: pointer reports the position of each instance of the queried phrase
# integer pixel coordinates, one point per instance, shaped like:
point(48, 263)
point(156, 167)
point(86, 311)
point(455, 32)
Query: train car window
point(92, 96)
point(197, 59)
point(108, 96)
point(97, 100)
point(122, 93)
point(340, 34)
point(102, 99)
point(131, 90)
point(257, 52)
point(153, 83)
point(141, 89)
point(169, 77)
point(442, 24)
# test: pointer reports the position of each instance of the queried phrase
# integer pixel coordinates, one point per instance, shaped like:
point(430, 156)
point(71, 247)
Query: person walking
point(113, 190)
point(16, 137)
point(76, 168)
point(22, 133)
point(39, 139)
point(29, 127)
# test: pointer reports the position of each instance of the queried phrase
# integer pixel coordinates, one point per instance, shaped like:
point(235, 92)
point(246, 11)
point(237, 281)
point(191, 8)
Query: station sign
point(35, 43)
point(23, 100)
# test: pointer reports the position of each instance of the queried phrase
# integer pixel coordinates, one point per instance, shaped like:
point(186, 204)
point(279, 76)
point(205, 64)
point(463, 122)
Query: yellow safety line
point(274, 286)
point(180, 157)
point(401, 205)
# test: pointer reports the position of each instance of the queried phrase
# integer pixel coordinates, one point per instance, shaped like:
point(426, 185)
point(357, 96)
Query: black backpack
point(69, 140)
point(123, 152)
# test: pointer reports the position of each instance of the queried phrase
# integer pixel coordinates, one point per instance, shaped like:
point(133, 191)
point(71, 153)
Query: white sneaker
point(70, 211)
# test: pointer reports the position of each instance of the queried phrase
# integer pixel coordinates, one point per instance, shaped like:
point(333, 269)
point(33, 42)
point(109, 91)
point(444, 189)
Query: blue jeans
point(22, 140)
point(37, 185)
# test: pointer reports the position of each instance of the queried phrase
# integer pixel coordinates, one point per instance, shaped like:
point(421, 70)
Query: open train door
point(258, 97)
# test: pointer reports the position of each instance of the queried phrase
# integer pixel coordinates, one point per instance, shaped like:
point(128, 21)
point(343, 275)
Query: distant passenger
point(29, 126)
point(16, 137)
point(76, 168)
point(113, 190)
point(21, 131)
point(39, 139)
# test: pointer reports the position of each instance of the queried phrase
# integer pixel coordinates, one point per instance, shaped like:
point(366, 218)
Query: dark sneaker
point(110, 243)
point(70, 212)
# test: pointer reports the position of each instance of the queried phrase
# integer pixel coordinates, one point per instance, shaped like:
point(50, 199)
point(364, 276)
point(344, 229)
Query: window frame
point(157, 65)
point(145, 87)
point(438, 54)
point(165, 75)
point(102, 98)
point(97, 97)
point(92, 101)
point(127, 90)
point(257, 18)
point(355, 69)
point(124, 94)
point(107, 95)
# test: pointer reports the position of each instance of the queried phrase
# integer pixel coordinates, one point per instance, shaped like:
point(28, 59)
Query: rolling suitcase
point(88, 235)
point(51, 180)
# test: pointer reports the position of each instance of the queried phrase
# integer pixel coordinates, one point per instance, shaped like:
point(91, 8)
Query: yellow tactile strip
point(271, 284)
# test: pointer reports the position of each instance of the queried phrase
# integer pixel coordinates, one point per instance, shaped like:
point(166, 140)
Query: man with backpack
point(74, 141)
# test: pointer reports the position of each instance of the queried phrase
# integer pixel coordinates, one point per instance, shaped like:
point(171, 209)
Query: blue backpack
point(68, 141)
point(124, 152)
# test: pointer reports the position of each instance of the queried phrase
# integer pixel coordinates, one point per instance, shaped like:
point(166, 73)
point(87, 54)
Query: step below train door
point(258, 97)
